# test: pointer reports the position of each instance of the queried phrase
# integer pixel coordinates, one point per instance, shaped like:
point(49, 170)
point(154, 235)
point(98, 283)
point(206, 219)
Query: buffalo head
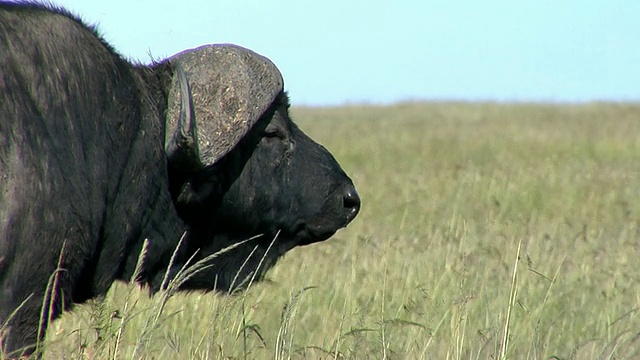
point(247, 171)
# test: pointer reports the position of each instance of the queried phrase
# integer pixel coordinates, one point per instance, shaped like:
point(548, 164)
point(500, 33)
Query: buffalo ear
point(201, 194)
point(196, 194)
point(181, 146)
point(232, 88)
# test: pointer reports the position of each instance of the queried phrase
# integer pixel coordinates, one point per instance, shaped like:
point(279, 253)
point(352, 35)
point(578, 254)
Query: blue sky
point(338, 52)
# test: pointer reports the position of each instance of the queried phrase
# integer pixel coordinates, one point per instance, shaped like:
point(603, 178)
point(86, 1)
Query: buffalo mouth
point(333, 216)
point(306, 234)
point(315, 237)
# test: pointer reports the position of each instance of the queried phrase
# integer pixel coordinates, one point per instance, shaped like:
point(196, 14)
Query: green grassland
point(487, 231)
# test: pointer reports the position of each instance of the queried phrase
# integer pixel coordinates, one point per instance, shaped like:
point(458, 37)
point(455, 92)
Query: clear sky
point(337, 52)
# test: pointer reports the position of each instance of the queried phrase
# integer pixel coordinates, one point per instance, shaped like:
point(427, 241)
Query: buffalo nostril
point(351, 202)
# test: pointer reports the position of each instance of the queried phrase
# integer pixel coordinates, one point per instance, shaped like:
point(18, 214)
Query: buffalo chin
point(309, 235)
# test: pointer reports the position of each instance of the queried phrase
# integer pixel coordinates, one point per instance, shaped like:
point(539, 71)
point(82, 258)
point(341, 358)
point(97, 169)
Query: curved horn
point(182, 147)
point(232, 88)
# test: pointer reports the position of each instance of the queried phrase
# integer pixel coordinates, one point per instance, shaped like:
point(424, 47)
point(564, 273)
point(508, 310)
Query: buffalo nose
point(351, 202)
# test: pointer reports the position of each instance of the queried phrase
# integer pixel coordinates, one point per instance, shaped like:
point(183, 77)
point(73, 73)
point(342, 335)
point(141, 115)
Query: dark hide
point(82, 167)
point(277, 183)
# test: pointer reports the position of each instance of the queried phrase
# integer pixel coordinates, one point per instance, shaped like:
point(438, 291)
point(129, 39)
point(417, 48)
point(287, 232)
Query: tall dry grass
point(487, 231)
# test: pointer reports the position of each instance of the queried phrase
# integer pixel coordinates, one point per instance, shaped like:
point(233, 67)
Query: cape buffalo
point(98, 154)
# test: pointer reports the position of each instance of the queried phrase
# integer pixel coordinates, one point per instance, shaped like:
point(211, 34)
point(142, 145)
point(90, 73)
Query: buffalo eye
point(273, 131)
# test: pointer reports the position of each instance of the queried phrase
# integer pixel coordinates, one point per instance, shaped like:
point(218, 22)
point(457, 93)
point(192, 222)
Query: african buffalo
point(98, 154)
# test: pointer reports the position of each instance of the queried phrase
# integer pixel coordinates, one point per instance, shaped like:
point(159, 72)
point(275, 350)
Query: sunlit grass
point(450, 192)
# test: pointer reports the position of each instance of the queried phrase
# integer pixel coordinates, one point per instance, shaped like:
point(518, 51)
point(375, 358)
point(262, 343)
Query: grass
point(487, 231)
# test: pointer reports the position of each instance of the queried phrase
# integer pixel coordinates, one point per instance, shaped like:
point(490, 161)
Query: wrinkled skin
point(276, 183)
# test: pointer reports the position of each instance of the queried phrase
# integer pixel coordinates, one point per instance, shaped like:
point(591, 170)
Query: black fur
point(84, 178)
point(82, 165)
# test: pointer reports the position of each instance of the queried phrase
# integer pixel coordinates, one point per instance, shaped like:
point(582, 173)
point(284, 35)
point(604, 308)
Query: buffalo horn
point(182, 147)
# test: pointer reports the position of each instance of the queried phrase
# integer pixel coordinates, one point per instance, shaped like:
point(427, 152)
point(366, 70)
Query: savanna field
point(487, 231)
